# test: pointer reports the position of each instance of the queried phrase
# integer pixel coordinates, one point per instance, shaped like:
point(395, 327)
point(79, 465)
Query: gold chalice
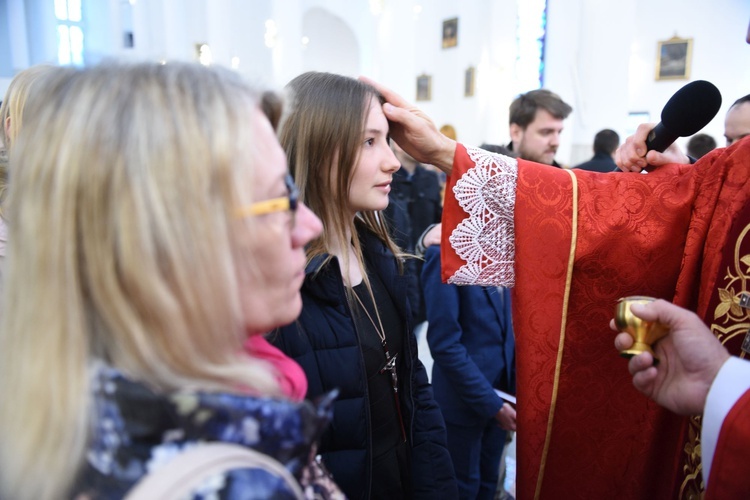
point(644, 333)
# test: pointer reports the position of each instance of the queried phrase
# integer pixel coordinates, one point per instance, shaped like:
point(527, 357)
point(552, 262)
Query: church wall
point(599, 58)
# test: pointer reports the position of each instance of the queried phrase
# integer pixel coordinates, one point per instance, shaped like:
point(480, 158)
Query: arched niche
point(331, 44)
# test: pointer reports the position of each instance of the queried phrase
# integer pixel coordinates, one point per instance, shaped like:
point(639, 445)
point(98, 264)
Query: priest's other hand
point(632, 155)
point(689, 358)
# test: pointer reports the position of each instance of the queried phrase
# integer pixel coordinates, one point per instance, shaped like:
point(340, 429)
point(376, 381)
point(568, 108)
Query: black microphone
point(687, 111)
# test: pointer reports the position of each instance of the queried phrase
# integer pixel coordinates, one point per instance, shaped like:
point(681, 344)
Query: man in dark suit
point(605, 144)
point(535, 123)
point(470, 335)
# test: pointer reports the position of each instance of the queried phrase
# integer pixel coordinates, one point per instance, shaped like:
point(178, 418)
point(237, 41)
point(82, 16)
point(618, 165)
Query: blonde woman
point(11, 117)
point(387, 439)
point(11, 110)
point(152, 238)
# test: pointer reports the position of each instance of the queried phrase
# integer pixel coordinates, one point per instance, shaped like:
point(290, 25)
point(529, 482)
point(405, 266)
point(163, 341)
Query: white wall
point(410, 44)
point(600, 56)
point(720, 53)
point(587, 65)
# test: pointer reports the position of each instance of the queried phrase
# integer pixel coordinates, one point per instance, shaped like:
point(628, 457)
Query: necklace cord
point(390, 365)
point(381, 331)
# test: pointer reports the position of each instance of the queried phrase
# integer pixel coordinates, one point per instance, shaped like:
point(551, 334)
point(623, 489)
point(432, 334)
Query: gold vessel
point(644, 333)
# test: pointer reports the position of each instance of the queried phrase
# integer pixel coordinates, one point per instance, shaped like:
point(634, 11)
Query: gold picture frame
point(469, 79)
point(450, 33)
point(673, 59)
point(424, 87)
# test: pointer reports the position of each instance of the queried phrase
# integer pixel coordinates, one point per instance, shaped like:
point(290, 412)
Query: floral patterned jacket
point(136, 430)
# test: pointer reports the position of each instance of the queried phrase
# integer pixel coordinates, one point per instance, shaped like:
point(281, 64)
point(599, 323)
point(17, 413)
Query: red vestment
point(583, 240)
point(729, 477)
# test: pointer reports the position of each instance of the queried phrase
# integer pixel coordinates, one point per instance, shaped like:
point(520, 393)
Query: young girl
point(387, 438)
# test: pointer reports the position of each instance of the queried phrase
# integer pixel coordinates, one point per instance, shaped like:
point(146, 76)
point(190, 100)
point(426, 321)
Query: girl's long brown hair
point(322, 136)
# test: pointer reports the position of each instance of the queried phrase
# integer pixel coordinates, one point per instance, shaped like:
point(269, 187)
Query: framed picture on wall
point(673, 59)
point(469, 76)
point(424, 87)
point(450, 33)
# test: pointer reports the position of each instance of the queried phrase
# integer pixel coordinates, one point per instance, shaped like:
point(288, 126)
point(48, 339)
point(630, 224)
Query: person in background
point(387, 438)
point(536, 122)
point(696, 375)
point(737, 121)
point(449, 130)
point(699, 145)
point(606, 143)
point(415, 202)
point(470, 335)
point(154, 235)
point(494, 148)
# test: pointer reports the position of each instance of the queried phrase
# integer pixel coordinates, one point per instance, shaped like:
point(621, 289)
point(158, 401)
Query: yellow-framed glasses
point(289, 202)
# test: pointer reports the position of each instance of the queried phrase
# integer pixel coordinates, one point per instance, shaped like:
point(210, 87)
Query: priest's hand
point(506, 417)
point(414, 131)
point(632, 155)
point(689, 358)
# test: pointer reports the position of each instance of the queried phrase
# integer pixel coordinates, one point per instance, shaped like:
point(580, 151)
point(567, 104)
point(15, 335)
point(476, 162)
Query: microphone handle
point(659, 138)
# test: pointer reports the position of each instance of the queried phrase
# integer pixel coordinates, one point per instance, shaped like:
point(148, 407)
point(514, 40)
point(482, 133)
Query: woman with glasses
point(11, 119)
point(153, 238)
point(387, 438)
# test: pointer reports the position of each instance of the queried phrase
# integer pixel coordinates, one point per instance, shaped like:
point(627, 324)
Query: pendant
point(391, 367)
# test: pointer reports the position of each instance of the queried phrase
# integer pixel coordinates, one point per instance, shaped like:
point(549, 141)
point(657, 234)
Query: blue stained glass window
point(70, 37)
point(63, 44)
point(531, 37)
point(76, 45)
point(61, 10)
point(74, 10)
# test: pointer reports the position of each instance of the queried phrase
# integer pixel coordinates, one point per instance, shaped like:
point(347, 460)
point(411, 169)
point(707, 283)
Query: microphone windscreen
point(691, 108)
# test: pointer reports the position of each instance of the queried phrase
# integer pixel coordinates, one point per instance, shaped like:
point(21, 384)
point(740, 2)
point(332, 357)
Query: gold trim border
point(555, 387)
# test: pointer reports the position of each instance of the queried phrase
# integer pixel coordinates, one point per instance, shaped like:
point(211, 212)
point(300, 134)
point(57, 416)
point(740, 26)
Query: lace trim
point(486, 239)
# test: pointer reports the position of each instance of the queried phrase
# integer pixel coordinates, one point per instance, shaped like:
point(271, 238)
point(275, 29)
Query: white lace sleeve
point(485, 240)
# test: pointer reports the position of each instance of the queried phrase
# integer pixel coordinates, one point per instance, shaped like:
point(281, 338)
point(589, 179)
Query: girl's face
point(376, 163)
point(271, 289)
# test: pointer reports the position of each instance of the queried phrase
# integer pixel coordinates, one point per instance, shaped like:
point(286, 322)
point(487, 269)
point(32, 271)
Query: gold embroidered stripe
point(568, 279)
